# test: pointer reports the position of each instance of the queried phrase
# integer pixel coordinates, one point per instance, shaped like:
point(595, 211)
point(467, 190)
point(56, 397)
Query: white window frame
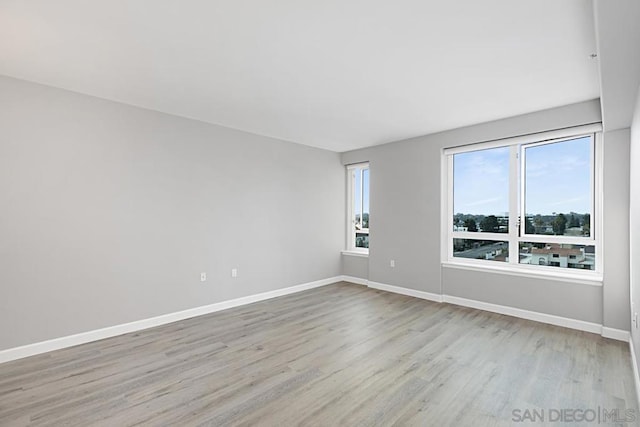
point(351, 191)
point(516, 208)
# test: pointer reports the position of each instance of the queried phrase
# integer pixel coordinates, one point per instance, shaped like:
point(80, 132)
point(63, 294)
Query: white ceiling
point(336, 74)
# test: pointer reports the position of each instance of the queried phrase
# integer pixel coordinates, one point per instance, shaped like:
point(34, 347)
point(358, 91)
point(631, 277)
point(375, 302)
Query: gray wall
point(406, 209)
point(543, 296)
point(355, 266)
point(110, 212)
point(615, 248)
point(634, 229)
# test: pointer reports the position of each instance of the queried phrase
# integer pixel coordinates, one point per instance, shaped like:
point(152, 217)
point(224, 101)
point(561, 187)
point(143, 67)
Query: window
point(358, 208)
point(526, 203)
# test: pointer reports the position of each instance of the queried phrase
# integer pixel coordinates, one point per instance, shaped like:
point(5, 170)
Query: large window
point(358, 208)
point(528, 203)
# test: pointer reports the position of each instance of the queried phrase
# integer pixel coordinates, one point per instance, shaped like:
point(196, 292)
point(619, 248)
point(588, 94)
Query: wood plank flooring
point(342, 354)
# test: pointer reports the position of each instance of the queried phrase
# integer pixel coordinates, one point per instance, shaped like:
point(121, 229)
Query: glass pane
point(558, 255)
point(481, 191)
point(365, 201)
point(357, 208)
point(362, 239)
point(558, 195)
point(481, 249)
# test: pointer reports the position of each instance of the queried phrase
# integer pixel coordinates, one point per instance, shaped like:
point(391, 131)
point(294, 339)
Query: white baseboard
point(356, 280)
point(112, 331)
point(406, 291)
point(526, 314)
point(98, 334)
point(550, 319)
point(636, 375)
point(616, 334)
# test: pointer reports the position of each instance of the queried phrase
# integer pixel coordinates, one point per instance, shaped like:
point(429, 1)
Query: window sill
point(594, 279)
point(356, 253)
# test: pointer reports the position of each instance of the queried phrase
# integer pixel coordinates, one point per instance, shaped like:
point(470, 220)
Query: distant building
point(574, 231)
point(543, 229)
point(496, 255)
point(558, 256)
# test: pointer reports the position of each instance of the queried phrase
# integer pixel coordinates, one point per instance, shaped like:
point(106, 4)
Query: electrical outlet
point(234, 272)
point(203, 277)
point(392, 263)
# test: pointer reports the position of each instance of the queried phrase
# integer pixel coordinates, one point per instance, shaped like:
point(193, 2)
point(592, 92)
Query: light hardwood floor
point(342, 354)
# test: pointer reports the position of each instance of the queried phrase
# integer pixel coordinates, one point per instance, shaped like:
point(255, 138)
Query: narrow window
point(358, 208)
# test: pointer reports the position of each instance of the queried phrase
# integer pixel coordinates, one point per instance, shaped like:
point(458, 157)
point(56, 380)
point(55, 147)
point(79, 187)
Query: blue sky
point(558, 179)
point(365, 200)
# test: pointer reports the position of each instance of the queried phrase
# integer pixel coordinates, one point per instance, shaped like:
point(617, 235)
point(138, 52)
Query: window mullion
point(449, 220)
point(513, 205)
point(361, 198)
point(480, 236)
point(352, 210)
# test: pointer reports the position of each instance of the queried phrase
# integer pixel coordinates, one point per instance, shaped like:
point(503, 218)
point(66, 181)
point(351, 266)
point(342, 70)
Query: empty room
point(326, 213)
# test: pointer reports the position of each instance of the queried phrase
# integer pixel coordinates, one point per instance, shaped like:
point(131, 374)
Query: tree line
point(556, 224)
